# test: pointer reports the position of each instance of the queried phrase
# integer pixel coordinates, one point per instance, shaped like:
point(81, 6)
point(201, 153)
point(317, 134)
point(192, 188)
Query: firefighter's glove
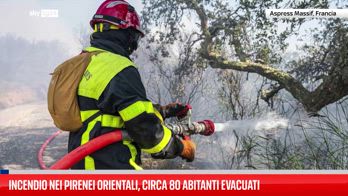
point(175, 110)
point(189, 150)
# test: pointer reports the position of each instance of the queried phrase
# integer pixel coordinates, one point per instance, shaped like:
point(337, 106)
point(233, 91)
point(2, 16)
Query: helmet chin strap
point(134, 38)
point(133, 46)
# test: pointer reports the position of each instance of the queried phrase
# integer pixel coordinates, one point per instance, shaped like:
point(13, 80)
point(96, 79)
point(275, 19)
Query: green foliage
point(329, 50)
point(239, 24)
point(240, 31)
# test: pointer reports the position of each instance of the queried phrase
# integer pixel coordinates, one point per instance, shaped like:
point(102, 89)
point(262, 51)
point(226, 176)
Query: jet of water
point(269, 123)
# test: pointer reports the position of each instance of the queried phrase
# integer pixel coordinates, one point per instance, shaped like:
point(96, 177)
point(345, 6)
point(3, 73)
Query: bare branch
point(331, 89)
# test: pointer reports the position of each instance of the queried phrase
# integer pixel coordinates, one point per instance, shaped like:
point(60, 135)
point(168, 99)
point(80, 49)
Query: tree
point(179, 75)
point(237, 35)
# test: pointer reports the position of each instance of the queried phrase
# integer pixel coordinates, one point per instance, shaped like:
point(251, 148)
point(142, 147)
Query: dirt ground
point(19, 148)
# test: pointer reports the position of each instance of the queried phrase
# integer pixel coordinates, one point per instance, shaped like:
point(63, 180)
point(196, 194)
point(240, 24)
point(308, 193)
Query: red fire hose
point(43, 147)
point(205, 127)
point(79, 153)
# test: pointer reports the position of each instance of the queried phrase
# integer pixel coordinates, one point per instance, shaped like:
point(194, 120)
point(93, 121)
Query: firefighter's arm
point(144, 125)
point(125, 95)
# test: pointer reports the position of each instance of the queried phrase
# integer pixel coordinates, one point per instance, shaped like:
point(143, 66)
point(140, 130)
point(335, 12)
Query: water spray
point(269, 123)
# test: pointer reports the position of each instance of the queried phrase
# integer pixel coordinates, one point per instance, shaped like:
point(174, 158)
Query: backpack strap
point(91, 118)
point(94, 116)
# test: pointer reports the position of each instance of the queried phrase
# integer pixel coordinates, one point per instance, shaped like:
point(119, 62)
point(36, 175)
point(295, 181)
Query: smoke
point(268, 124)
point(26, 116)
point(36, 28)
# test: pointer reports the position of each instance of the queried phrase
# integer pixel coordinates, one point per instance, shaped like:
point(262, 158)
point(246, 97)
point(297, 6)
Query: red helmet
point(118, 13)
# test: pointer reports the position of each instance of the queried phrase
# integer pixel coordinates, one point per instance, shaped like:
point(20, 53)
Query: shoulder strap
point(91, 118)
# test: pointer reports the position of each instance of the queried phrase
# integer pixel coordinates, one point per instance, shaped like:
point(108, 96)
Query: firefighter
point(111, 95)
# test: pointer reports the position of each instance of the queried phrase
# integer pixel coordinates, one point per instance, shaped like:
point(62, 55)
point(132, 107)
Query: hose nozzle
point(209, 127)
point(205, 127)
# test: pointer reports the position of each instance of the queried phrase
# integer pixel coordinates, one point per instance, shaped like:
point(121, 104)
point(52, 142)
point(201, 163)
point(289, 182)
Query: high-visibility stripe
point(167, 134)
point(140, 107)
point(93, 49)
point(105, 119)
point(101, 25)
point(134, 153)
point(89, 161)
point(158, 114)
point(133, 164)
point(100, 71)
point(114, 27)
point(136, 109)
point(111, 121)
point(86, 114)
